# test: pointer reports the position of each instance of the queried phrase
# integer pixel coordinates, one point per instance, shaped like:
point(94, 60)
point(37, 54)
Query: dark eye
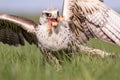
point(48, 14)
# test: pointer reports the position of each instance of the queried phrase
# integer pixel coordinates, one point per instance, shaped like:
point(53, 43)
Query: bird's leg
point(53, 60)
point(93, 51)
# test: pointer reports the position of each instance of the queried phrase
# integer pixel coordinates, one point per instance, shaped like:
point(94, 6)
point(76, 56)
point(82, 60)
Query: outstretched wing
point(95, 19)
point(14, 29)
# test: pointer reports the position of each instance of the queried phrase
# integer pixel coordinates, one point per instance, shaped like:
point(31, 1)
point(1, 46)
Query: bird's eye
point(48, 14)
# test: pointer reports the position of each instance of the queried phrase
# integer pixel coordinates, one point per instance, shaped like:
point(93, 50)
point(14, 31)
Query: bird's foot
point(95, 52)
point(53, 61)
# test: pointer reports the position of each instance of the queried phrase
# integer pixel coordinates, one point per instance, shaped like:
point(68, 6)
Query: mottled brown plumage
point(93, 19)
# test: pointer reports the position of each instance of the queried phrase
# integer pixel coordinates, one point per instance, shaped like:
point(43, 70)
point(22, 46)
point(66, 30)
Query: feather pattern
point(94, 19)
point(63, 39)
point(14, 29)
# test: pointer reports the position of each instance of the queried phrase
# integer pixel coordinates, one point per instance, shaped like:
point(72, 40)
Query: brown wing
point(95, 19)
point(14, 29)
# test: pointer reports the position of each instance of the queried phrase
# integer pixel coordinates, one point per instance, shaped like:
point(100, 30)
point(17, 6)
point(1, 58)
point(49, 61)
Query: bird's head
point(51, 16)
point(48, 13)
point(51, 12)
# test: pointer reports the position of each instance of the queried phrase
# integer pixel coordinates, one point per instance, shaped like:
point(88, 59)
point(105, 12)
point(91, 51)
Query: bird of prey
point(56, 36)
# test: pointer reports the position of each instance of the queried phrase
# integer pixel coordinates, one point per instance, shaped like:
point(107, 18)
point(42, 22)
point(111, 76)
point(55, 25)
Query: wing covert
point(95, 19)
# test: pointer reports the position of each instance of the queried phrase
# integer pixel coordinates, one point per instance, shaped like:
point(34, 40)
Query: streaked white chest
point(54, 41)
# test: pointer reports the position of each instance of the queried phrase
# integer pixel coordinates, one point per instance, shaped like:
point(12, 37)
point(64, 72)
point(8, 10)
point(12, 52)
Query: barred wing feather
point(14, 29)
point(95, 19)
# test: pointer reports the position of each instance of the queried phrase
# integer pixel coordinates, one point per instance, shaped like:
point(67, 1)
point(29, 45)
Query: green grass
point(26, 63)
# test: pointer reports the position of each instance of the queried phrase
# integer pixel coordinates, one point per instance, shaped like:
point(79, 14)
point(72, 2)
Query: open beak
point(52, 23)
